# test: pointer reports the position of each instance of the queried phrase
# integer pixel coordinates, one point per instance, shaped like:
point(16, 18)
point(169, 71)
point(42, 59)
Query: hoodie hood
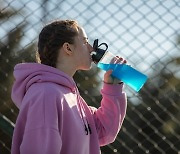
point(27, 74)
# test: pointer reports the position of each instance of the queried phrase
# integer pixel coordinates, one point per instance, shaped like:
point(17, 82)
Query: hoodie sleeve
point(110, 115)
point(37, 124)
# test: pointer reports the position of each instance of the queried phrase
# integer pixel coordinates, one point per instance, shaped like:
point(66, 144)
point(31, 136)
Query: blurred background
point(145, 32)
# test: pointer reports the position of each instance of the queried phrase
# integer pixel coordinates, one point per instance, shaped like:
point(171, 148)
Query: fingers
point(107, 76)
point(123, 60)
point(118, 60)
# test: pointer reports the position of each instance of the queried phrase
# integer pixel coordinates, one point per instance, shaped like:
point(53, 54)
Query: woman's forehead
point(83, 33)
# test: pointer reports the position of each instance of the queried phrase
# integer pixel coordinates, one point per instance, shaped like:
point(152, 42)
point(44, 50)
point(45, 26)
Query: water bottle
point(104, 60)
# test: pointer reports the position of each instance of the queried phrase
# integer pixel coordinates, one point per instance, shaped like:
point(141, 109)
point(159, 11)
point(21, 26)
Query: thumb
point(108, 73)
point(107, 76)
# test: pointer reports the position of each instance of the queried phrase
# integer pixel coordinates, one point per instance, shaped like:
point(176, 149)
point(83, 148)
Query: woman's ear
point(67, 48)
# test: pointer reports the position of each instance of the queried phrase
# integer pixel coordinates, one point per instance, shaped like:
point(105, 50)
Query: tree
point(9, 56)
point(163, 98)
point(154, 123)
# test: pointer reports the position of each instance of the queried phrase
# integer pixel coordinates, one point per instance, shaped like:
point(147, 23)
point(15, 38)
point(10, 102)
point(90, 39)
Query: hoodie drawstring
point(87, 127)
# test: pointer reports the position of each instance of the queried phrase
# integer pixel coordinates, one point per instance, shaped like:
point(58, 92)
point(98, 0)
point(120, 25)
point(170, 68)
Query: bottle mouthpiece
point(98, 52)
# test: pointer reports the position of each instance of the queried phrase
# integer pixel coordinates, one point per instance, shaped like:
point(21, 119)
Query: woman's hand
point(107, 76)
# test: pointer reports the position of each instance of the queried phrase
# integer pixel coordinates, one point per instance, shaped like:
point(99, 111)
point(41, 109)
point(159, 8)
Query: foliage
point(9, 57)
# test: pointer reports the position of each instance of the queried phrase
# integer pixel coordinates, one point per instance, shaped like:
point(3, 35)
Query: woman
point(53, 117)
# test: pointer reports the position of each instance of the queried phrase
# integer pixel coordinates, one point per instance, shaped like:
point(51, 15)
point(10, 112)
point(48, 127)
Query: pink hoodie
point(53, 116)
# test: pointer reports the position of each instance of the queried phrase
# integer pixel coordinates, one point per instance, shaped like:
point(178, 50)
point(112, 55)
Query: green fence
point(145, 32)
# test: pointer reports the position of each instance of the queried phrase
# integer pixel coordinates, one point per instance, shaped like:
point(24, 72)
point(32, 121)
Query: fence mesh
point(146, 33)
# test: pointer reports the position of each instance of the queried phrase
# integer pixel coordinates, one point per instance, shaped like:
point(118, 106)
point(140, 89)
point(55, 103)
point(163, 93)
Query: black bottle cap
point(96, 57)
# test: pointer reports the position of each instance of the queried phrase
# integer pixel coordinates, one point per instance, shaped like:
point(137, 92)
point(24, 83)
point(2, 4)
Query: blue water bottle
point(123, 72)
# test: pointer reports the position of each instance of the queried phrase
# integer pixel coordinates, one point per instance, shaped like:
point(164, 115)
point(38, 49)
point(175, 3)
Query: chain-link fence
point(145, 32)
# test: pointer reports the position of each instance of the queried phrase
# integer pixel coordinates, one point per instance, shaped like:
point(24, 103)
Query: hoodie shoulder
point(43, 93)
point(40, 76)
point(49, 89)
